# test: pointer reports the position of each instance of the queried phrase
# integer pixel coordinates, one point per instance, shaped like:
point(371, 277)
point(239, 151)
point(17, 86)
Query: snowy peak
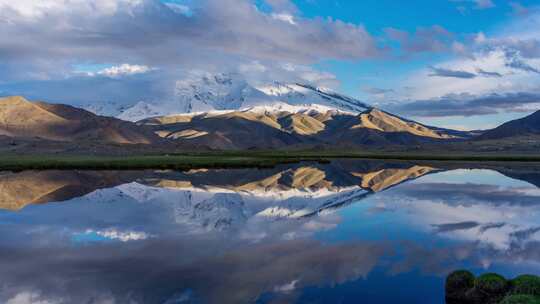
point(199, 93)
point(142, 110)
point(294, 109)
point(303, 94)
point(203, 92)
point(105, 108)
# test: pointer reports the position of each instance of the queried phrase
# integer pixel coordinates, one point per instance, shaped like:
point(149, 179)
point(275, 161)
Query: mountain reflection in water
point(348, 231)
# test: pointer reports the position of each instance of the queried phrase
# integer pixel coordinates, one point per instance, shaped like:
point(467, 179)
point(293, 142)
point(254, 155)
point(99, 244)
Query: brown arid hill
point(20, 118)
point(19, 189)
point(523, 127)
point(257, 129)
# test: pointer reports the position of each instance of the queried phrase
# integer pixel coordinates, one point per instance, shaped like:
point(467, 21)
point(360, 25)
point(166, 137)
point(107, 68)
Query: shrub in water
point(458, 283)
point(460, 279)
point(491, 284)
point(461, 287)
point(489, 288)
point(526, 284)
point(521, 299)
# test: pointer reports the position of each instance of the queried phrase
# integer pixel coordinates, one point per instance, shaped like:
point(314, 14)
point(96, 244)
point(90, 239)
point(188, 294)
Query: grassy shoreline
point(436, 156)
point(260, 159)
point(176, 162)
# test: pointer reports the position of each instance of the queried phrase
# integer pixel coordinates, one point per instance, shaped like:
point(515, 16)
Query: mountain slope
point(20, 118)
point(263, 128)
point(526, 126)
point(385, 122)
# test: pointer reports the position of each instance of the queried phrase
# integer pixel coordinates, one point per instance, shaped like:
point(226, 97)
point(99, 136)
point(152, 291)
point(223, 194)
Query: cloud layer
point(42, 34)
point(468, 105)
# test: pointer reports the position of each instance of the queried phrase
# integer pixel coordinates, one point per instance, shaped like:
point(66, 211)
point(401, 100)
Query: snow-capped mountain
point(105, 108)
point(207, 92)
point(304, 95)
point(142, 110)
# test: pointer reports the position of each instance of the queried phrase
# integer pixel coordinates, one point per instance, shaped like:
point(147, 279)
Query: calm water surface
point(345, 232)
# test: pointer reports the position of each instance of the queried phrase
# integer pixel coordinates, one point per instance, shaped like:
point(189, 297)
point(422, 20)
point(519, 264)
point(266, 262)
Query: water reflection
point(20, 189)
point(306, 233)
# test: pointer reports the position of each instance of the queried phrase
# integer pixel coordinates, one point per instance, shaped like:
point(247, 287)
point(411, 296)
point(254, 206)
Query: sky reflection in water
point(306, 233)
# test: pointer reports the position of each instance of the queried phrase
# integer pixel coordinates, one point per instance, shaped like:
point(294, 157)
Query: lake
point(351, 231)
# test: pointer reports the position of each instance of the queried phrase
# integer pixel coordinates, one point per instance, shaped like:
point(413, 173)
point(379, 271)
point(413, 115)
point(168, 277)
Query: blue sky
point(376, 15)
point(465, 64)
point(407, 15)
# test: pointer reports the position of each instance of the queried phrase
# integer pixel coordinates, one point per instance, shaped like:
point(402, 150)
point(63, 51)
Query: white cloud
point(255, 67)
point(180, 9)
point(124, 70)
point(33, 10)
point(286, 288)
point(29, 298)
point(49, 35)
point(284, 17)
point(425, 86)
point(307, 74)
point(123, 236)
point(499, 74)
point(502, 65)
point(259, 73)
point(480, 38)
point(479, 4)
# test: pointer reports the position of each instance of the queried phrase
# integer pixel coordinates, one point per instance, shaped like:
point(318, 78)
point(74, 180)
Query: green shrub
point(520, 299)
point(491, 284)
point(459, 280)
point(526, 284)
point(461, 287)
point(457, 285)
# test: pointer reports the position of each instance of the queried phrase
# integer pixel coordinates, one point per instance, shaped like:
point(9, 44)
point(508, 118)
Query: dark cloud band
point(467, 105)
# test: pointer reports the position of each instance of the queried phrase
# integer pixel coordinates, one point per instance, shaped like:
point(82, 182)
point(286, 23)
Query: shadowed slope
point(529, 125)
